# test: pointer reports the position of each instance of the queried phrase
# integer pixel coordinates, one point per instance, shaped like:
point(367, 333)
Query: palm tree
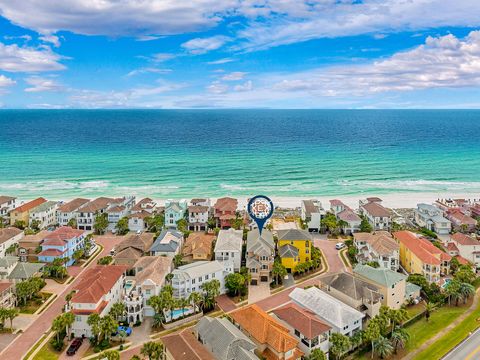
point(399, 338)
point(58, 326)
point(108, 325)
point(357, 339)
point(178, 260)
point(152, 350)
point(10, 315)
point(158, 320)
point(278, 270)
point(429, 308)
point(452, 290)
point(466, 290)
point(195, 298)
point(168, 278)
point(340, 344)
point(373, 332)
point(316, 354)
point(397, 317)
point(68, 320)
point(118, 311)
point(111, 355)
point(382, 347)
point(94, 322)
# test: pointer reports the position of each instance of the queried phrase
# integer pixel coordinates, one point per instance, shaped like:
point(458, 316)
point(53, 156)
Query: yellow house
point(294, 247)
point(420, 256)
point(22, 213)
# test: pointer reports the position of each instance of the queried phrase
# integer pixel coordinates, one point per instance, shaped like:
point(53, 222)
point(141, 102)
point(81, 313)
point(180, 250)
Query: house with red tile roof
point(7, 294)
point(22, 213)
point(272, 338)
point(461, 221)
point(419, 256)
point(67, 211)
point(62, 243)
point(99, 288)
point(184, 346)
point(467, 247)
point(304, 325)
point(225, 210)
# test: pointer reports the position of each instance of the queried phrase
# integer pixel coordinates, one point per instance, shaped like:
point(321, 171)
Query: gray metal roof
point(225, 340)
point(352, 286)
point(25, 270)
point(260, 244)
point(326, 306)
point(294, 234)
point(288, 251)
point(167, 241)
point(197, 269)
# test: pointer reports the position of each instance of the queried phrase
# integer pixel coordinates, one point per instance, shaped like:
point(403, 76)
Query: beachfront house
point(87, 213)
point(174, 211)
point(45, 215)
point(311, 214)
point(310, 331)
point(9, 239)
point(189, 278)
point(168, 243)
point(100, 287)
point(21, 214)
point(294, 247)
point(378, 247)
point(461, 221)
point(198, 212)
point(225, 211)
point(62, 244)
point(260, 256)
point(377, 215)
point(67, 211)
point(342, 318)
point(431, 218)
point(7, 204)
point(228, 247)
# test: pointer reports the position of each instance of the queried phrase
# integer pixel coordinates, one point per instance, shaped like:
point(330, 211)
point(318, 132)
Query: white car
point(339, 246)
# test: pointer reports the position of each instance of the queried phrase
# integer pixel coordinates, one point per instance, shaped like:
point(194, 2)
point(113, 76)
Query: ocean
point(62, 154)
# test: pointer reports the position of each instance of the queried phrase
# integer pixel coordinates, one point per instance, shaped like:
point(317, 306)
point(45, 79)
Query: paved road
point(22, 343)
point(335, 263)
point(468, 350)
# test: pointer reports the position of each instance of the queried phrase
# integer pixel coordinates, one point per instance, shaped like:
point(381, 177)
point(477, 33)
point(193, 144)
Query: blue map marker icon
point(260, 209)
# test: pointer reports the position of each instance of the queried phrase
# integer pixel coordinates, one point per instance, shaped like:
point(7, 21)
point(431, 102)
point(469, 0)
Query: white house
point(341, 317)
point(168, 243)
point(431, 218)
point(136, 221)
point(9, 236)
point(45, 213)
point(7, 204)
point(67, 211)
point(468, 247)
point(189, 278)
point(311, 214)
point(228, 247)
point(379, 247)
point(198, 213)
point(150, 272)
point(86, 213)
point(377, 215)
point(99, 289)
point(117, 211)
point(174, 211)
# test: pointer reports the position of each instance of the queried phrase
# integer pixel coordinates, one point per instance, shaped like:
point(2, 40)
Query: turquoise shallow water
point(184, 153)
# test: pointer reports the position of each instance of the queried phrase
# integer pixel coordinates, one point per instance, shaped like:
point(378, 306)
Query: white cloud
point(146, 70)
point(5, 82)
point(27, 59)
point(220, 61)
point(442, 62)
point(291, 21)
point(161, 57)
point(199, 46)
point(40, 84)
point(234, 76)
point(50, 39)
point(217, 87)
point(116, 18)
point(23, 37)
point(246, 86)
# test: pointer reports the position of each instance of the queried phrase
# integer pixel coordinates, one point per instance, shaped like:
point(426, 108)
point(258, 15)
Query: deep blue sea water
point(185, 153)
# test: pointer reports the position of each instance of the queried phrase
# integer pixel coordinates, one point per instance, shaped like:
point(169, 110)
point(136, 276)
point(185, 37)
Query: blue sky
point(240, 54)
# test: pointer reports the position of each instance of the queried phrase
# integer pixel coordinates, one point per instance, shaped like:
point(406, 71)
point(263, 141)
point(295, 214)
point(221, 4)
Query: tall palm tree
point(195, 298)
point(399, 338)
point(152, 350)
point(429, 308)
point(68, 320)
point(382, 347)
point(397, 317)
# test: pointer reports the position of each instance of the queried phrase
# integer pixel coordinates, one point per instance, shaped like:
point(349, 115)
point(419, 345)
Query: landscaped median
point(452, 338)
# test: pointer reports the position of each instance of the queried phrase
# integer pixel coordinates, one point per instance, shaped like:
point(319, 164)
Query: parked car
point(74, 346)
point(339, 246)
point(127, 329)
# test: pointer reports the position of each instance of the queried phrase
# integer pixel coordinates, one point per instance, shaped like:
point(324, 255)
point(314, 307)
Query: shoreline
point(393, 200)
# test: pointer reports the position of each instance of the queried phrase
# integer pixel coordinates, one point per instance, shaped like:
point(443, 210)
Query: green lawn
point(452, 338)
point(421, 330)
point(46, 353)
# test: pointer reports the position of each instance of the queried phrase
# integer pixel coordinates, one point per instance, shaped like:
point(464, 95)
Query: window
point(297, 333)
point(206, 277)
point(78, 318)
point(193, 281)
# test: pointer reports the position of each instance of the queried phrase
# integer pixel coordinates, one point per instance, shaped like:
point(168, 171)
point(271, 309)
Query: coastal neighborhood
point(128, 278)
